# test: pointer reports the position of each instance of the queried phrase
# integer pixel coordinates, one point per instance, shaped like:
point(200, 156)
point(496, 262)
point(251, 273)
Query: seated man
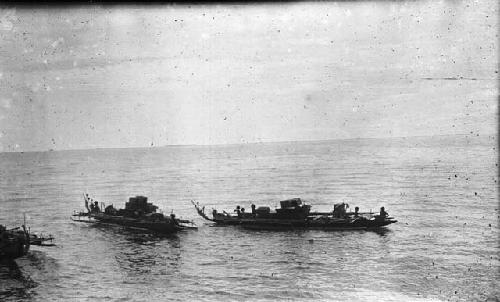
point(174, 220)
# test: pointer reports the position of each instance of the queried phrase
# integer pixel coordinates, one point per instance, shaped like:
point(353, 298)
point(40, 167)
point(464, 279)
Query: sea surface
point(442, 190)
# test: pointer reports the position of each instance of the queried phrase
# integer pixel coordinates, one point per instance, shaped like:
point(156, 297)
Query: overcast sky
point(131, 76)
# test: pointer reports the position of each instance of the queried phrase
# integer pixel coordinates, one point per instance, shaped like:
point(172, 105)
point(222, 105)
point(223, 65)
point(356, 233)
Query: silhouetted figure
point(253, 210)
point(238, 211)
point(174, 221)
point(356, 211)
point(383, 213)
point(86, 197)
point(339, 210)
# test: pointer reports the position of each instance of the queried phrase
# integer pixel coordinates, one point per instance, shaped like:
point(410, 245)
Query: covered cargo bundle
point(135, 203)
point(263, 211)
point(339, 210)
point(140, 203)
point(290, 203)
point(293, 209)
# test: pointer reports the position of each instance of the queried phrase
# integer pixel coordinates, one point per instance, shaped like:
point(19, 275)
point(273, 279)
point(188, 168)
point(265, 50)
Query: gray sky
point(128, 76)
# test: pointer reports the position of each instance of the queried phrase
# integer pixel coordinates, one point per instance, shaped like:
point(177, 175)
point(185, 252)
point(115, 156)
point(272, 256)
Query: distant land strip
point(454, 79)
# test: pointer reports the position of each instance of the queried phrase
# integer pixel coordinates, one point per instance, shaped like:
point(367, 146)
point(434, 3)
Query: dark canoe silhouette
point(293, 213)
point(138, 214)
point(14, 243)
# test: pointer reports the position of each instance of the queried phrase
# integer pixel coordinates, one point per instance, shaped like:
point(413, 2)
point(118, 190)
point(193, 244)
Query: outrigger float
point(293, 213)
point(138, 214)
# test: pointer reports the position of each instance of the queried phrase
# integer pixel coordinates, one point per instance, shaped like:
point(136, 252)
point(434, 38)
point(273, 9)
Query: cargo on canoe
point(138, 214)
point(294, 213)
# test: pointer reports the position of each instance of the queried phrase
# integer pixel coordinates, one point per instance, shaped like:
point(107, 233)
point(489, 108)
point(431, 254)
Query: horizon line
point(246, 143)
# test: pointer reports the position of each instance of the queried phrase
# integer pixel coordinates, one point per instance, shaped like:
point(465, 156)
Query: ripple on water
point(441, 245)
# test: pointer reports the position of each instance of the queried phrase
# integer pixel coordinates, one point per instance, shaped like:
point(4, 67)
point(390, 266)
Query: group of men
point(94, 205)
point(241, 211)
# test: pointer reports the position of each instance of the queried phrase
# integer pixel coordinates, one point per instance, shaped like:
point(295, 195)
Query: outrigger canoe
point(293, 213)
point(14, 243)
point(138, 214)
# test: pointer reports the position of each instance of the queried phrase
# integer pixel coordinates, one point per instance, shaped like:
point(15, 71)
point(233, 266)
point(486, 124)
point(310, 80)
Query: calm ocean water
point(443, 190)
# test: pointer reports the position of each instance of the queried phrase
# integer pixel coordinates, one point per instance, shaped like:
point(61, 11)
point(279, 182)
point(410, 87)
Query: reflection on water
point(380, 231)
point(139, 252)
point(14, 285)
point(149, 254)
